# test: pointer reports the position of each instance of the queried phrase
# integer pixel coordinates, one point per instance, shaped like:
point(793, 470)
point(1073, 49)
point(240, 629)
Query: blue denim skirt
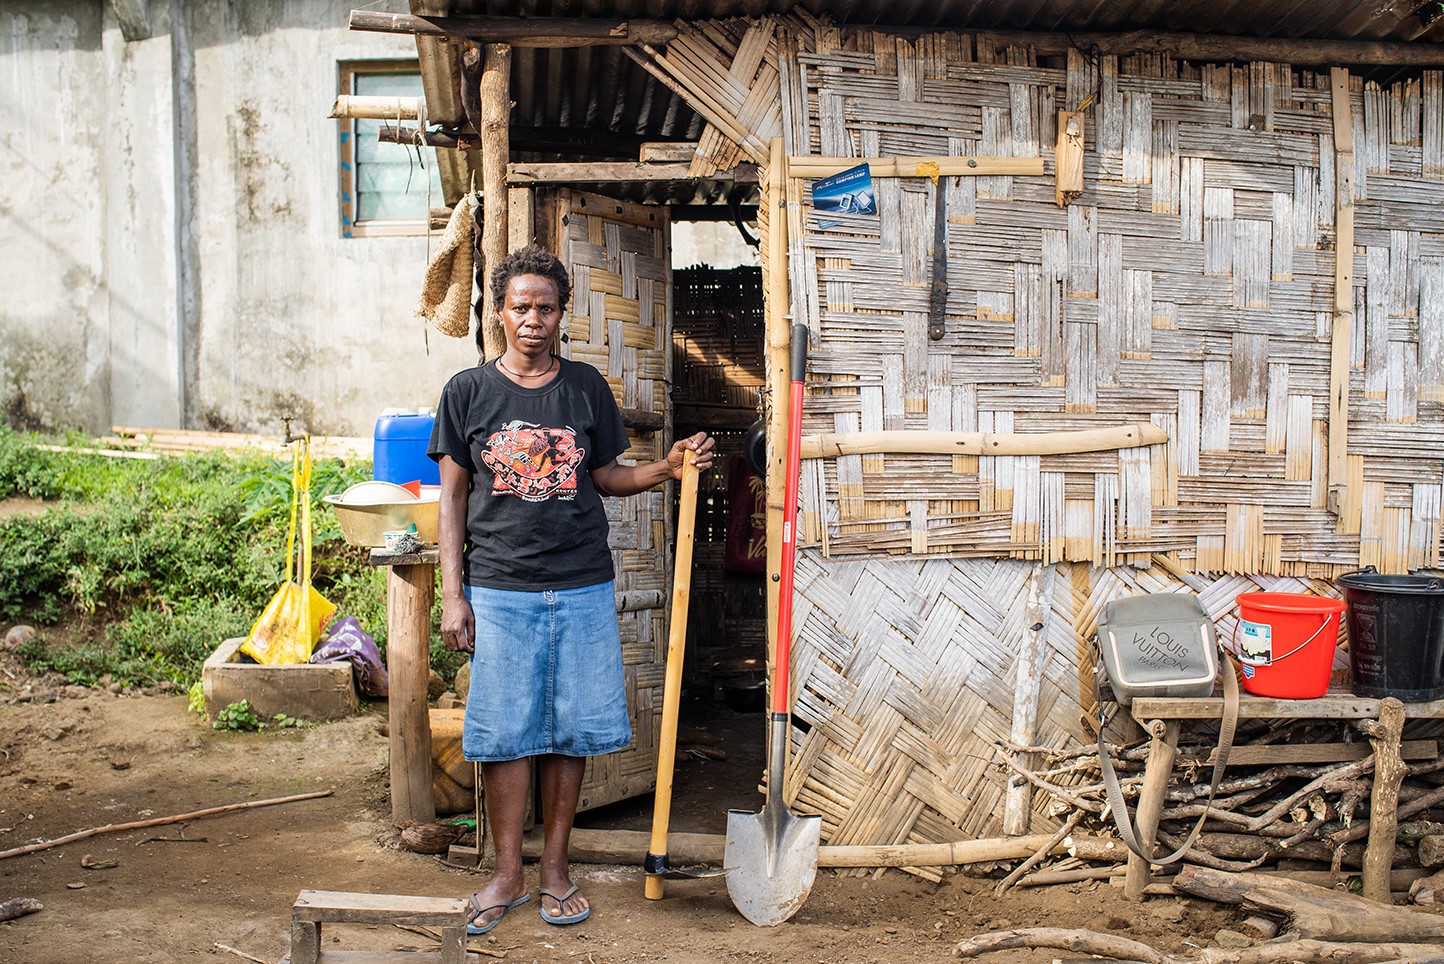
point(546, 676)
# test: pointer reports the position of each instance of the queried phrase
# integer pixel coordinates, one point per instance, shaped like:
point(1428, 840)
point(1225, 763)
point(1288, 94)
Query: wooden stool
point(316, 907)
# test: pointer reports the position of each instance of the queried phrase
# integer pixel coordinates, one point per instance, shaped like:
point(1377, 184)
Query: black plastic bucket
point(1396, 635)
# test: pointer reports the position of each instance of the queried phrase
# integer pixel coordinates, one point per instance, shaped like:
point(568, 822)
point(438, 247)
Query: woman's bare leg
point(508, 785)
point(561, 789)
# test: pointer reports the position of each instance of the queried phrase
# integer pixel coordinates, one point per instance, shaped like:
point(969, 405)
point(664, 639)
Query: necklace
point(551, 362)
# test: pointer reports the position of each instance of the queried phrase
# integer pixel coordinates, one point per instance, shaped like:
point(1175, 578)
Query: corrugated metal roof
point(600, 89)
point(1403, 20)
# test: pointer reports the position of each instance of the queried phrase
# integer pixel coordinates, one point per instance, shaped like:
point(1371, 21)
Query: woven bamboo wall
point(1191, 285)
point(906, 671)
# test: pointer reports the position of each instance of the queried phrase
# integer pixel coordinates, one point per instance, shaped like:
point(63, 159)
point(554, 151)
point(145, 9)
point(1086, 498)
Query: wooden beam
point(1333, 706)
point(656, 152)
point(495, 151)
point(916, 166)
point(615, 172)
point(521, 31)
point(1213, 47)
point(577, 141)
point(928, 442)
point(1342, 338)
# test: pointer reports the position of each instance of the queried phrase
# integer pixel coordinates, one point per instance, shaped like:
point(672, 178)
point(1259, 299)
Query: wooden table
point(410, 590)
point(1161, 717)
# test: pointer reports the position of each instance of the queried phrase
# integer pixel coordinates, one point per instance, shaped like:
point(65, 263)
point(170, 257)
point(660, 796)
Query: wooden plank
point(616, 172)
point(331, 906)
point(1318, 753)
point(1333, 706)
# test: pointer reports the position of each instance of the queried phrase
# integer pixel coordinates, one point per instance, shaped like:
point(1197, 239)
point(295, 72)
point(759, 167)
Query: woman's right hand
point(458, 625)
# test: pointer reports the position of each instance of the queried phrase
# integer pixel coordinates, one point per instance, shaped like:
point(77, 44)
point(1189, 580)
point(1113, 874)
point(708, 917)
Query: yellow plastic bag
point(291, 624)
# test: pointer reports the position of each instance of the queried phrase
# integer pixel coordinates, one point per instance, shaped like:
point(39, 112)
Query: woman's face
point(530, 314)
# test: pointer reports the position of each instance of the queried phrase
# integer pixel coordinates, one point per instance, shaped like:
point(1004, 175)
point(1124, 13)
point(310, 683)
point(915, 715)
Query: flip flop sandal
point(473, 930)
point(561, 899)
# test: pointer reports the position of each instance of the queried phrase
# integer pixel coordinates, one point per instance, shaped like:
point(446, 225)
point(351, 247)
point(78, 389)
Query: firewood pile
point(1305, 812)
point(1281, 839)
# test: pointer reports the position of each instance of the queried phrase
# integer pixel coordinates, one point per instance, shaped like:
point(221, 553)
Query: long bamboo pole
point(929, 442)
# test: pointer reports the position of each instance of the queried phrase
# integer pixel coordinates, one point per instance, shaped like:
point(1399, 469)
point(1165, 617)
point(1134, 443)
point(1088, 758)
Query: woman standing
point(528, 445)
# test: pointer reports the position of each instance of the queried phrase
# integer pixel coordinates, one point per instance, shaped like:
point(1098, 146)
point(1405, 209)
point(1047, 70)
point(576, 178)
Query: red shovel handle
point(781, 677)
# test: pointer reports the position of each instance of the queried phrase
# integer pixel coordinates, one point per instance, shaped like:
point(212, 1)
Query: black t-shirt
point(534, 519)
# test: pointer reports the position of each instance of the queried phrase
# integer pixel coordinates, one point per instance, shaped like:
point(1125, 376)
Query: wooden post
point(1150, 803)
point(409, 592)
point(1018, 798)
point(1342, 338)
point(1384, 801)
point(779, 351)
point(495, 154)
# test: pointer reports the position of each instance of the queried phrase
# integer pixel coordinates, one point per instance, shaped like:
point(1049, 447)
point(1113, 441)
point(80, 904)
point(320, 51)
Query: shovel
point(771, 856)
point(656, 866)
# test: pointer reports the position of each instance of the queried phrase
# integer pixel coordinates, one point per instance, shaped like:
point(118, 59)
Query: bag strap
point(1227, 725)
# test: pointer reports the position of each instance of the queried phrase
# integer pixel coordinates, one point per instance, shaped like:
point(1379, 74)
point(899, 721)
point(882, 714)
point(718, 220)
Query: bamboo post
point(495, 154)
point(1342, 338)
point(409, 591)
point(1384, 801)
point(779, 348)
point(1161, 751)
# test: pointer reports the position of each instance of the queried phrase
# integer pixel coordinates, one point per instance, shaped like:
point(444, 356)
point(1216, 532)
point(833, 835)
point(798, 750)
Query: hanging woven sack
point(446, 290)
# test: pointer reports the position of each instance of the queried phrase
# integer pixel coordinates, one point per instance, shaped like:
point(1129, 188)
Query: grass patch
point(169, 557)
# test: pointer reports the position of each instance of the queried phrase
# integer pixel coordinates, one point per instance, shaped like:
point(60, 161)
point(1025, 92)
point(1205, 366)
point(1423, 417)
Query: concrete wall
point(170, 241)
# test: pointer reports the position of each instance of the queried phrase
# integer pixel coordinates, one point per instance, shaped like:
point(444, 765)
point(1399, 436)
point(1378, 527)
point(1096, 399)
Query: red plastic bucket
point(1286, 643)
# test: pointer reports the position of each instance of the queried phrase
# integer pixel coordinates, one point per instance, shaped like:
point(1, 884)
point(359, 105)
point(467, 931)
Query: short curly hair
point(532, 259)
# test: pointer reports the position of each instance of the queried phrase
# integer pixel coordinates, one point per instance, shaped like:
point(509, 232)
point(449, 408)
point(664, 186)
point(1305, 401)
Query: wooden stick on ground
point(1081, 941)
point(231, 950)
point(158, 821)
point(19, 907)
point(1040, 856)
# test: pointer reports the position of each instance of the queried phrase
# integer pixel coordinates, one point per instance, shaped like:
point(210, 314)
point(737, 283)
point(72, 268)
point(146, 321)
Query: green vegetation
point(153, 563)
point(239, 717)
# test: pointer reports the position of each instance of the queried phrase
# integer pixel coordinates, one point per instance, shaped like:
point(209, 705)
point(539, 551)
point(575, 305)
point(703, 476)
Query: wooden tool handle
point(676, 649)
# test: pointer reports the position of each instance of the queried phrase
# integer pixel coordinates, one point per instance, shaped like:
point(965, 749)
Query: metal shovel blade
point(771, 861)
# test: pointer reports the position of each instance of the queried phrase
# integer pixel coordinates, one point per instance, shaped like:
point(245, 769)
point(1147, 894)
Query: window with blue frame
point(386, 189)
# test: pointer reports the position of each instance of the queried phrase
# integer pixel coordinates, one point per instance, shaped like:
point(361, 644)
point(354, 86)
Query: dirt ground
point(74, 759)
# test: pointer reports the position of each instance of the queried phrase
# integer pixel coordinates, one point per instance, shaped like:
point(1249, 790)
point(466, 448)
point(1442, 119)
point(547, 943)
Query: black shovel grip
point(799, 353)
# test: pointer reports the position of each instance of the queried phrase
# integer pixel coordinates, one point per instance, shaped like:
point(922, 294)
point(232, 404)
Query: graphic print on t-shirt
point(532, 462)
